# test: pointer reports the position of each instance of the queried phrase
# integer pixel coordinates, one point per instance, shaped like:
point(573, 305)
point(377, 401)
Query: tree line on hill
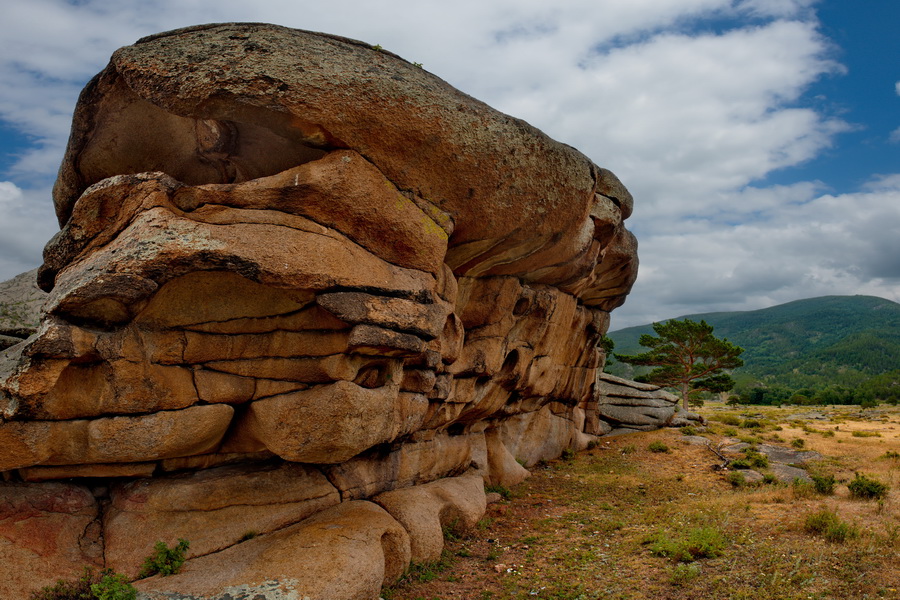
point(830, 350)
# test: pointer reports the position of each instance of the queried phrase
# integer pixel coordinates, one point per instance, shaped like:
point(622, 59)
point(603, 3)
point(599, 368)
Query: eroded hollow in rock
point(132, 135)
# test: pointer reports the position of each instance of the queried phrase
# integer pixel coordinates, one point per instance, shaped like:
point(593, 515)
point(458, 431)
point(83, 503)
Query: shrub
point(164, 560)
point(113, 586)
point(739, 463)
point(728, 420)
point(756, 459)
point(865, 434)
point(568, 454)
point(798, 443)
point(92, 585)
point(629, 449)
point(827, 524)
point(891, 454)
point(867, 488)
point(657, 446)
point(823, 484)
point(688, 430)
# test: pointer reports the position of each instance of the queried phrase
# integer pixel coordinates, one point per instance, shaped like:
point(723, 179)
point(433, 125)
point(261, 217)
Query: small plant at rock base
point(92, 585)
point(739, 463)
point(657, 446)
point(798, 443)
point(756, 459)
point(567, 454)
point(867, 488)
point(629, 449)
point(249, 535)
point(736, 479)
point(113, 586)
point(688, 430)
point(164, 560)
point(827, 524)
point(504, 491)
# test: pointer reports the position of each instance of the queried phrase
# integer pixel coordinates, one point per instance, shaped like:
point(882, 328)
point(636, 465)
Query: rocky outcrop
point(625, 406)
point(20, 308)
point(306, 300)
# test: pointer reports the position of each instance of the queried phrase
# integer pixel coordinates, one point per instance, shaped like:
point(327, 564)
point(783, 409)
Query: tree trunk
point(685, 391)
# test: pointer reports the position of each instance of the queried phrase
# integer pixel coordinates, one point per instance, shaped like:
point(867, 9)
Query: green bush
point(827, 524)
point(92, 585)
point(113, 586)
point(657, 446)
point(823, 484)
point(164, 560)
point(740, 463)
point(867, 488)
point(756, 459)
point(688, 430)
point(798, 443)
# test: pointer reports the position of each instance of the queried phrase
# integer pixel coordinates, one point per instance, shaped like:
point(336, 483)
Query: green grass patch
point(657, 446)
point(688, 546)
point(827, 524)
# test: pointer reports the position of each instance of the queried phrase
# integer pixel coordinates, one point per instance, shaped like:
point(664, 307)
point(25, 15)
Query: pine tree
point(688, 357)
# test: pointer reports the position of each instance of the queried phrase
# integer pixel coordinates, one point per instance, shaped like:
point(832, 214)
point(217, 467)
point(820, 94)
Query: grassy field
point(623, 520)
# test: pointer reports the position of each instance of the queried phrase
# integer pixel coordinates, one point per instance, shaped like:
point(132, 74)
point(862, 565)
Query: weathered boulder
point(630, 405)
point(296, 273)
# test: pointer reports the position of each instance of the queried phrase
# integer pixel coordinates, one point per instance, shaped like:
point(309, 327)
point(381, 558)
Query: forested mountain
point(801, 346)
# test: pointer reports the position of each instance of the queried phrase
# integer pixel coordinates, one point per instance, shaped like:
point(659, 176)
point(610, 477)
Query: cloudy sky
point(760, 138)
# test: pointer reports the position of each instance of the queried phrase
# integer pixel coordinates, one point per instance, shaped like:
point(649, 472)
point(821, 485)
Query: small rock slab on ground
point(810, 416)
point(695, 440)
point(787, 474)
point(777, 454)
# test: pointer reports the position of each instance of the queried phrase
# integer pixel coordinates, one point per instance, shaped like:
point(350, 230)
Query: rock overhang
point(226, 103)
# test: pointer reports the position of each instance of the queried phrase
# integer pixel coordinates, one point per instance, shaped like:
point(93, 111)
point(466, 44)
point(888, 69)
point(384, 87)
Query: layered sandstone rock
point(306, 300)
point(625, 406)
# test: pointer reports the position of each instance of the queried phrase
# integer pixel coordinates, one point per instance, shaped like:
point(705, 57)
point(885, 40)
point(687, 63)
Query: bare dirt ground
point(622, 521)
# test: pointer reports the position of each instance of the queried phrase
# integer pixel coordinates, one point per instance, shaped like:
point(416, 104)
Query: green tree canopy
point(687, 356)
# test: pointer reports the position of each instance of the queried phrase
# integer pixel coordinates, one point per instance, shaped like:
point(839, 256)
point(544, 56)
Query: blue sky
point(760, 138)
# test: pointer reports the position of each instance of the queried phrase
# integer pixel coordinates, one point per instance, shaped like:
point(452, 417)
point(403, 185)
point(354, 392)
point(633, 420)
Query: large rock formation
point(306, 300)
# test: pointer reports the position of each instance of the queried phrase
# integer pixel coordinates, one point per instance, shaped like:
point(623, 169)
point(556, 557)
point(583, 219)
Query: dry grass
point(593, 527)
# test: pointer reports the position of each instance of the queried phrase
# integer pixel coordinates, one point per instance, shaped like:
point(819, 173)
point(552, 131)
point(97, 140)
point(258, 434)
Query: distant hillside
point(806, 343)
